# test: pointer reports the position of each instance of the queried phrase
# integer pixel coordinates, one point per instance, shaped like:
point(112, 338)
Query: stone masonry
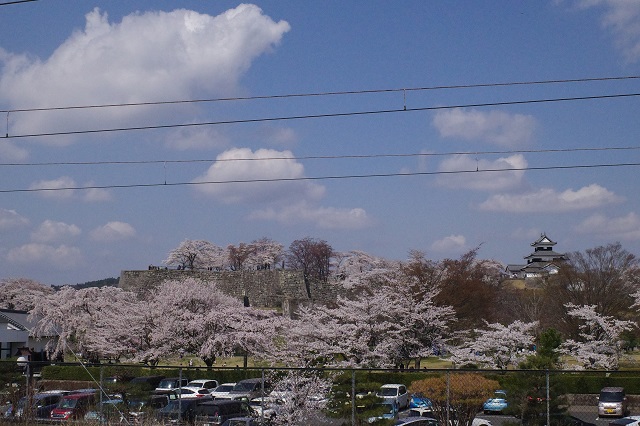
point(280, 289)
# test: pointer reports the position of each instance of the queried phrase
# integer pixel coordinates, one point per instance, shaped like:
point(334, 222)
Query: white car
point(626, 421)
point(191, 392)
point(209, 384)
point(395, 392)
point(222, 391)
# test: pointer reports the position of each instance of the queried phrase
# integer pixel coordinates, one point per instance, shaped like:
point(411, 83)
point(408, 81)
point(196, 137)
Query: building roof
point(17, 319)
point(546, 254)
point(543, 241)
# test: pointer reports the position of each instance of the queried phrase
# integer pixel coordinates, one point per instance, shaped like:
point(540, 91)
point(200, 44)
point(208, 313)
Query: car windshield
point(68, 403)
point(388, 392)
point(224, 388)
point(611, 396)
point(167, 384)
point(247, 386)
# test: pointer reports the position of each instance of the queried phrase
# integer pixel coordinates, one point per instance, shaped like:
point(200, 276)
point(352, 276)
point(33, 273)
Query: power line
point(334, 177)
point(329, 93)
point(15, 2)
point(327, 157)
point(327, 115)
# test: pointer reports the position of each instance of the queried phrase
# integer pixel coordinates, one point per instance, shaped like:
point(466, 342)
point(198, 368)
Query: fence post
point(101, 391)
point(448, 395)
point(353, 397)
point(179, 395)
point(548, 411)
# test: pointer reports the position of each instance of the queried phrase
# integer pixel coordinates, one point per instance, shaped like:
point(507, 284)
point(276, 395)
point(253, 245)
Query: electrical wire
point(334, 177)
point(327, 115)
point(326, 157)
point(7, 3)
point(320, 94)
point(330, 93)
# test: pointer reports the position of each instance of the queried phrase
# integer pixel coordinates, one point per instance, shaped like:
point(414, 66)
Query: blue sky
point(80, 53)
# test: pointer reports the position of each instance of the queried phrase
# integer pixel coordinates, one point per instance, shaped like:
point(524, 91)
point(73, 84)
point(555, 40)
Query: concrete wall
point(276, 288)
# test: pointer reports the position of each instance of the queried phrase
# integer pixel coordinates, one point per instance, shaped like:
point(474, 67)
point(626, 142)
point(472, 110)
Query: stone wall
point(276, 289)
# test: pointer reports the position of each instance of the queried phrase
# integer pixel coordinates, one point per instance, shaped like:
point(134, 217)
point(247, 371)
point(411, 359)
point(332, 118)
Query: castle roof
point(543, 241)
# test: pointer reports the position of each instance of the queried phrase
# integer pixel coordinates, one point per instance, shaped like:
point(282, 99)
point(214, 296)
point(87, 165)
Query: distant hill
point(107, 282)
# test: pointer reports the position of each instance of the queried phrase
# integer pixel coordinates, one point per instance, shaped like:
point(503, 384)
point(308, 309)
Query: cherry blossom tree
point(497, 346)
point(196, 254)
point(84, 320)
point(375, 325)
point(351, 269)
point(21, 293)
point(302, 396)
point(267, 253)
point(600, 344)
point(195, 317)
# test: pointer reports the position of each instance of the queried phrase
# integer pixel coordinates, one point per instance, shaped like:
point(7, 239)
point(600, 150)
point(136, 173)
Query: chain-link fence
point(125, 394)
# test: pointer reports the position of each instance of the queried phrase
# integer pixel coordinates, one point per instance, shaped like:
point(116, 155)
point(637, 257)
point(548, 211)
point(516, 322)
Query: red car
point(73, 406)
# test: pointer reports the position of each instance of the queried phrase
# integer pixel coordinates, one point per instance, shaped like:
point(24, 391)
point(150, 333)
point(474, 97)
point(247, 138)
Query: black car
point(218, 411)
point(178, 409)
point(42, 404)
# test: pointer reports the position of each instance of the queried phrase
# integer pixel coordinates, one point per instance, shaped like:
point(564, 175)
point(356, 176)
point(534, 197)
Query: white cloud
point(549, 200)
point(10, 219)
point(619, 228)
point(50, 231)
point(449, 244)
point(483, 181)
point(322, 217)
point(62, 257)
point(622, 17)
point(241, 164)
point(97, 195)
point(52, 188)
point(496, 127)
point(113, 231)
point(146, 57)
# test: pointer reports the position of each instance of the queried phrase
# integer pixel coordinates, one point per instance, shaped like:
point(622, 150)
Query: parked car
point(420, 401)
point(73, 406)
point(389, 412)
point(145, 383)
point(612, 401)
point(108, 412)
point(191, 392)
point(265, 408)
point(217, 412)
point(170, 384)
point(248, 389)
point(417, 421)
point(626, 421)
point(185, 409)
point(42, 404)
point(429, 420)
point(396, 393)
point(140, 409)
point(222, 391)
point(209, 384)
point(496, 404)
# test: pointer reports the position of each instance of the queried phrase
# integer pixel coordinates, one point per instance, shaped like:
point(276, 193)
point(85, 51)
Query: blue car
point(497, 403)
point(420, 401)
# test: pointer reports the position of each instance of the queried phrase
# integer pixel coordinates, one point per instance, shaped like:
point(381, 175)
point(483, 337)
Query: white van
point(395, 392)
